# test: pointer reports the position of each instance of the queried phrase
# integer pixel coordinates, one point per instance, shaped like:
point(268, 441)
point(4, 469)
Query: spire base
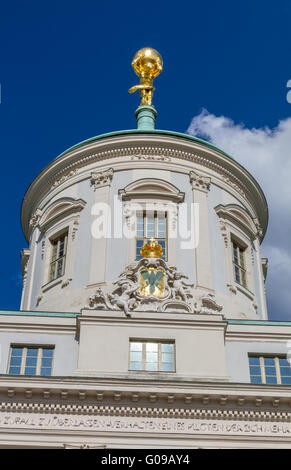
point(146, 117)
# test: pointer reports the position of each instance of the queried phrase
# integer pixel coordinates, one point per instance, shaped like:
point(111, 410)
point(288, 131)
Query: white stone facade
point(139, 169)
point(93, 398)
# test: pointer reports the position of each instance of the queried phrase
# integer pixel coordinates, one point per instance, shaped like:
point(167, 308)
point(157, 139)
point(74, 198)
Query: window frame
point(25, 347)
point(262, 366)
point(155, 214)
point(237, 225)
point(159, 342)
point(241, 265)
point(57, 237)
point(153, 192)
point(60, 216)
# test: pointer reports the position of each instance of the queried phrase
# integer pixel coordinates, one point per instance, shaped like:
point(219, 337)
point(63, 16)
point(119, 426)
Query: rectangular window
point(152, 356)
point(238, 260)
point(151, 225)
point(270, 370)
point(30, 360)
point(58, 256)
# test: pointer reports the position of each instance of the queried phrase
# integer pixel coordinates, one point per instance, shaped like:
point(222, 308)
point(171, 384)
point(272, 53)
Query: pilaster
point(200, 187)
point(101, 182)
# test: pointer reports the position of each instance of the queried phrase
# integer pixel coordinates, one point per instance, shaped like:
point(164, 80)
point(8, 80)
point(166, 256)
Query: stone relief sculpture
point(151, 285)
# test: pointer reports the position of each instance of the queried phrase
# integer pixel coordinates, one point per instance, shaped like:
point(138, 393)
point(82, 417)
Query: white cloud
point(266, 154)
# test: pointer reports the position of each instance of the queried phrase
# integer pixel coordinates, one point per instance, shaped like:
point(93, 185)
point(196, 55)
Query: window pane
point(167, 367)
point(139, 245)
point(270, 371)
point(269, 361)
point(31, 361)
point(30, 371)
point(136, 346)
point(60, 267)
point(32, 352)
point(151, 357)
point(167, 347)
point(286, 380)
point(254, 370)
point(254, 360)
point(15, 361)
point(139, 227)
point(135, 356)
point(166, 357)
point(256, 379)
point(271, 380)
point(285, 371)
point(150, 227)
point(136, 366)
point(284, 362)
point(236, 273)
point(47, 352)
point(46, 362)
point(161, 227)
point(14, 370)
point(151, 366)
point(45, 371)
point(17, 351)
point(152, 346)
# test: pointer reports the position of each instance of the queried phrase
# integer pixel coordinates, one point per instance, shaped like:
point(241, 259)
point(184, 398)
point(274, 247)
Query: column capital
point(199, 182)
point(99, 179)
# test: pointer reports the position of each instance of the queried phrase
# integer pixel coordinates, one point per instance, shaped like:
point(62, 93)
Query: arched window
point(58, 225)
point(150, 206)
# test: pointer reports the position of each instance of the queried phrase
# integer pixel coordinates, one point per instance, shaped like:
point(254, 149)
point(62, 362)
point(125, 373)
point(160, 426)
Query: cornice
point(257, 336)
point(171, 320)
point(171, 399)
point(43, 324)
point(139, 148)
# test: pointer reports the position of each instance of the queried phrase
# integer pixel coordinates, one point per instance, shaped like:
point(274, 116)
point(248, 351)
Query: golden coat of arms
point(152, 280)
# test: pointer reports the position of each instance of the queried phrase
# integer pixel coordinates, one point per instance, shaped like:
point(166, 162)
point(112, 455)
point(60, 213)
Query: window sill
point(51, 284)
point(245, 291)
point(151, 372)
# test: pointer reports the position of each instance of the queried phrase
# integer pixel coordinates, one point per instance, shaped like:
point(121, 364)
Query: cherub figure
point(179, 287)
point(125, 301)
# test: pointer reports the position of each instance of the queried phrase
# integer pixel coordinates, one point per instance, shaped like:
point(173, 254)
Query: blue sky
point(65, 71)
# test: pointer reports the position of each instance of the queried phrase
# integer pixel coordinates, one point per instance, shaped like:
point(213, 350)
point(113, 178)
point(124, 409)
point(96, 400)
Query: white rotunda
point(143, 318)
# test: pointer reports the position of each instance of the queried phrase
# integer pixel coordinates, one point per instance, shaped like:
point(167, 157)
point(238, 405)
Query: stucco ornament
point(99, 179)
point(35, 218)
point(148, 284)
point(209, 306)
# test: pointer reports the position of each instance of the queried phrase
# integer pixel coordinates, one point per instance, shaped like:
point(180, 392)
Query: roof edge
point(142, 131)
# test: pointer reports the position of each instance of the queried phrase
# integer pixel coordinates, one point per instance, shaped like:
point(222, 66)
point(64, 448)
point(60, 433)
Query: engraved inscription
point(126, 424)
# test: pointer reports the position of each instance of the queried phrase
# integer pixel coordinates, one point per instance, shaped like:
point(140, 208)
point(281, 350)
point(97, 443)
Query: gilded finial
point(151, 250)
point(147, 64)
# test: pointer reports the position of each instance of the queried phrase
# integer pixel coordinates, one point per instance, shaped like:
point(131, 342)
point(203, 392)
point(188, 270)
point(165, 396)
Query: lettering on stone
point(12, 420)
